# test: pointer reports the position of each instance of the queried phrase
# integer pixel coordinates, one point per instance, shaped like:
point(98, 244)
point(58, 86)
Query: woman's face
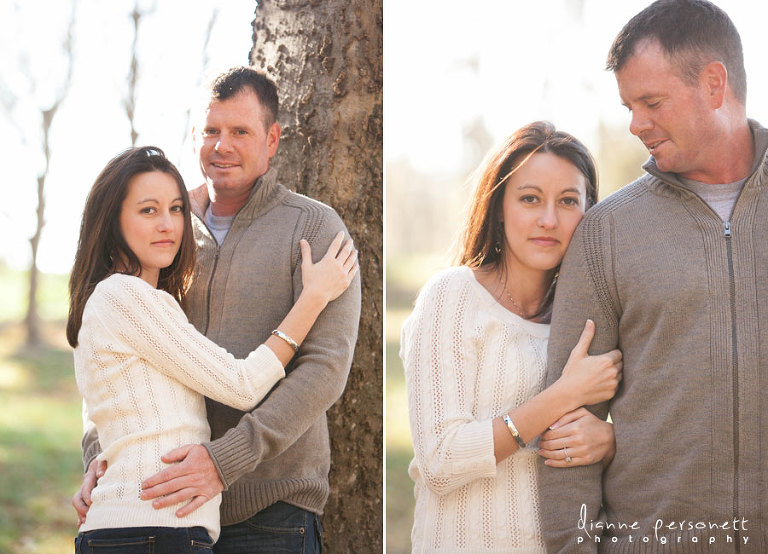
point(152, 221)
point(543, 203)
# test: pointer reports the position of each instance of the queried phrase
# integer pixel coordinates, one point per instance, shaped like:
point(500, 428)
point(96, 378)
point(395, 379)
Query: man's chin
point(665, 164)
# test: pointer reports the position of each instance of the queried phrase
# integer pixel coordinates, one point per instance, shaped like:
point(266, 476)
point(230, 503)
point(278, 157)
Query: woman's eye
point(179, 208)
point(528, 199)
point(571, 201)
point(147, 210)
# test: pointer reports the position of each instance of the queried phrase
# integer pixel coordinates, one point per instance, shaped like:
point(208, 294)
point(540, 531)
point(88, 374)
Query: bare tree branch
point(130, 100)
point(33, 319)
point(206, 59)
point(133, 73)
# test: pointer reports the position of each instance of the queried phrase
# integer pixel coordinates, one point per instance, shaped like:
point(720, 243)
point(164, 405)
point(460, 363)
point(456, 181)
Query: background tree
point(129, 102)
point(326, 58)
point(47, 113)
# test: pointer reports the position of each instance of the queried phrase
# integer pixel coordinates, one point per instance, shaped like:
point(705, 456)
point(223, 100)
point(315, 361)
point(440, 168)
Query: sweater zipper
point(735, 360)
point(208, 292)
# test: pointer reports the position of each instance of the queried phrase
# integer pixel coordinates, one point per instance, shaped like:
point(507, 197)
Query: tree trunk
point(32, 321)
point(326, 58)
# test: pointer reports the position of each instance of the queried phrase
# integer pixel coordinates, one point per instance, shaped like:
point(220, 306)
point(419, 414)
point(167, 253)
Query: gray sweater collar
point(265, 193)
point(760, 136)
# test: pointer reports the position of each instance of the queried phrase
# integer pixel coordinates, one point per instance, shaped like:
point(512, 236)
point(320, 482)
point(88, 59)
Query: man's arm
point(90, 442)
point(91, 448)
point(314, 384)
point(583, 292)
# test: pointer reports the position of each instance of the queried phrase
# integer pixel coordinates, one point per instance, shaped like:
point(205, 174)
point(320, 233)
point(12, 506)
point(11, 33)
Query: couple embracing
point(648, 307)
point(207, 424)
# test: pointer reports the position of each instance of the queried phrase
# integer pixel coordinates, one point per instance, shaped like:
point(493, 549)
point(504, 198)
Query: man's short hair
point(692, 33)
point(237, 79)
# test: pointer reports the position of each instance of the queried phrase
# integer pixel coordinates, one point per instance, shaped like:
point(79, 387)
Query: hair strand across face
point(482, 231)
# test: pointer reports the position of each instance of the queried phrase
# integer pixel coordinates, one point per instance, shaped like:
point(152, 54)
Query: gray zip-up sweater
point(684, 295)
point(241, 292)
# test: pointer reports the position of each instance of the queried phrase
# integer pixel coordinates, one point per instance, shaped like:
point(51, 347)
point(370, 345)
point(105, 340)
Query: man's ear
point(273, 138)
point(715, 78)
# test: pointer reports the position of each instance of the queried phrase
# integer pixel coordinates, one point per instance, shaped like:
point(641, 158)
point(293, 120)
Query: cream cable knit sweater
point(143, 369)
point(468, 360)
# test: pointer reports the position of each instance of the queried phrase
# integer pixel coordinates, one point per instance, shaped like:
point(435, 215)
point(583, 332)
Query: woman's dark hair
point(102, 244)
point(481, 242)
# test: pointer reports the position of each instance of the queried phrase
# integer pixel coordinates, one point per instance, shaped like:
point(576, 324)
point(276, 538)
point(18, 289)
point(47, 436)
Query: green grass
point(14, 287)
point(40, 424)
point(407, 274)
point(400, 500)
point(399, 487)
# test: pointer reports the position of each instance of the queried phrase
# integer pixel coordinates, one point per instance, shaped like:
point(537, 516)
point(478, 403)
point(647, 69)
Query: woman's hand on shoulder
point(580, 436)
point(592, 379)
point(331, 276)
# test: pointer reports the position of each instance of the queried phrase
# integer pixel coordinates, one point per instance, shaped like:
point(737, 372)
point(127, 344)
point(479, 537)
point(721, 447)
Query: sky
point(91, 126)
point(515, 62)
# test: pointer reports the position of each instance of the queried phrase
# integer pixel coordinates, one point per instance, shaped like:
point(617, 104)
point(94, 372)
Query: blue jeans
point(145, 540)
point(280, 528)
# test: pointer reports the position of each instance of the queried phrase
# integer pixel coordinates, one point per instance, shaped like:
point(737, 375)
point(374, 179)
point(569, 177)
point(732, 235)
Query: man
point(273, 462)
point(673, 269)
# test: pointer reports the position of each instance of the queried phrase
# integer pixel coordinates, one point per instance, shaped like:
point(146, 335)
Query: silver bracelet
point(292, 343)
point(513, 430)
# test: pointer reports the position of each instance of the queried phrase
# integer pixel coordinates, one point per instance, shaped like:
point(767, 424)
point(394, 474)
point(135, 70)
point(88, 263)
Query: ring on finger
point(567, 457)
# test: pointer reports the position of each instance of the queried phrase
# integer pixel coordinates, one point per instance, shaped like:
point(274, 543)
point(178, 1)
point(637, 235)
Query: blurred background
point(458, 79)
point(80, 81)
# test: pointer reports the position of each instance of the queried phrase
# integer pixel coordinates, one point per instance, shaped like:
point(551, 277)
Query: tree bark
point(326, 58)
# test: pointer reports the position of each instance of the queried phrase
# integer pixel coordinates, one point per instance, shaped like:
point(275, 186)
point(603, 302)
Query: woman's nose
point(548, 217)
point(164, 222)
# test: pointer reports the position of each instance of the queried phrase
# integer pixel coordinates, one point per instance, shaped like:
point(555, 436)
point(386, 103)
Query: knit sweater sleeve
point(316, 379)
point(585, 290)
point(452, 446)
point(152, 325)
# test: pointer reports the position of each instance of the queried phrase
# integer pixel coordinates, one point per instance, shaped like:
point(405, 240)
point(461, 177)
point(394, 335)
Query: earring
point(497, 246)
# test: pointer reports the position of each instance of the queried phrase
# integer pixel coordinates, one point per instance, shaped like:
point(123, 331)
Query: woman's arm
point(586, 380)
point(150, 324)
point(452, 446)
point(322, 282)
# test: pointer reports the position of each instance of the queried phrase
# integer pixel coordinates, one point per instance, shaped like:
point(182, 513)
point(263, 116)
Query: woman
point(474, 351)
point(142, 368)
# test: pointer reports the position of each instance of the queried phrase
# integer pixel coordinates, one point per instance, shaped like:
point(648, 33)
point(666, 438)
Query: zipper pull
point(727, 229)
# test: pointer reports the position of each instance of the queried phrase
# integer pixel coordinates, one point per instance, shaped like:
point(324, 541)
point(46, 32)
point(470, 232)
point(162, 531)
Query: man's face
point(669, 115)
point(233, 147)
